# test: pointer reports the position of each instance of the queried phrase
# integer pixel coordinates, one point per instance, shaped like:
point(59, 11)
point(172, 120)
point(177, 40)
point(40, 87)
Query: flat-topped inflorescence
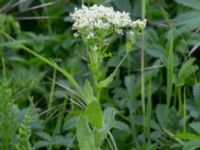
point(99, 20)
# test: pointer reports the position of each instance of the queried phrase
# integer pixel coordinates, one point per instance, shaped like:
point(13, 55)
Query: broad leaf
point(109, 118)
point(130, 83)
point(88, 93)
point(192, 145)
point(85, 136)
point(107, 81)
point(108, 123)
point(195, 126)
point(187, 69)
point(187, 136)
point(94, 114)
point(160, 113)
point(196, 92)
point(190, 3)
point(187, 22)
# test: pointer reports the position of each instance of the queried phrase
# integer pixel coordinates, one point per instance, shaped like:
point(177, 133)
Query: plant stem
point(179, 100)
point(142, 70)
point(113, 140)
point(184, 111)
point(149, 110)
point(50, 31)
point(52, 91)
point(170, 70)
point(4, 69)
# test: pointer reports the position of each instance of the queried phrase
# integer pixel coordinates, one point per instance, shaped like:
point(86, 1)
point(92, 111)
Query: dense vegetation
point(153, 102)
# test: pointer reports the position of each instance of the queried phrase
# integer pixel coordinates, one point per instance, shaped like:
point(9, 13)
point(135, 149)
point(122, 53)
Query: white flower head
point(89, 20)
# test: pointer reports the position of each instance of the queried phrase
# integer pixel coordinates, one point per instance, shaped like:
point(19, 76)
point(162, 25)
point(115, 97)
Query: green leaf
point(88, 94)
point(109, 118)
point(160, 113)
point(187, 136)
point(107, 81)
point(186, 70)
point(196, 92)
point(85, 136)
point(44, 136)
point(190, 3)
point(40, 144)
point(94, 114)
point(122, 126)
point(129, 83)
point(24, 5)
point(192, 145)
point(108, 123)
point(122, 5)
point(187, 21)
point(195, 126)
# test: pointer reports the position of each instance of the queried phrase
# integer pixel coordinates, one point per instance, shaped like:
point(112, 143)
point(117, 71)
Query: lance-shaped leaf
point(187, 69)
point(94, 114)
point(85, 136)
point(88, 94)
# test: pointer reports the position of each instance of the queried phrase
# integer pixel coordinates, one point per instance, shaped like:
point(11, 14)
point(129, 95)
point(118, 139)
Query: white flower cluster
point(98, 17)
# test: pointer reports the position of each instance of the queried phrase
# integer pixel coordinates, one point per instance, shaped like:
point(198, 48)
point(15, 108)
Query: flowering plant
point(96, 25)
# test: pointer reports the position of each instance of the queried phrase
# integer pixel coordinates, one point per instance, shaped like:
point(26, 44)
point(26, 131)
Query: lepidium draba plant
point(97, 26)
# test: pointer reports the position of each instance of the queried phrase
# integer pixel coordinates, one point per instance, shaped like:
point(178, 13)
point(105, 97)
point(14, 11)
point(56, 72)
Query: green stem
point(179, 100)
point(149, 111)
point(142, 70)
point(113, 140)
point(48, 20)
point(96, 88)
point(184, 111)
point(171, 135)
point(4, 68)
point(170, 70)
point(52, 92)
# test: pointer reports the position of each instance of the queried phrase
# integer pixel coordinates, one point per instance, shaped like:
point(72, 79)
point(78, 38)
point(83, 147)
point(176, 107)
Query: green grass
point(147, 92)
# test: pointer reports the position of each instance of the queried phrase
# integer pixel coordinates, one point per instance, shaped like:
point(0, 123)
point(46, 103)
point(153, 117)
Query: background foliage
point(42, 106)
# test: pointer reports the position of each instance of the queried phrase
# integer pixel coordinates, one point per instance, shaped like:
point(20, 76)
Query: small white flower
point(120, 31)
point(131, 33)
point(90, 35)
point(76, 34)
point(95, 48)
point(139, 23)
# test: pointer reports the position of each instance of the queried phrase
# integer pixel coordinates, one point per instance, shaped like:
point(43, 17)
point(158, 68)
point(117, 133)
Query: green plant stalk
point(171, 135)
point(96, 88)
point(184, 111)
point(109, 143)
point(179, 100)
point(113, 141)
point(4, 69)
point(175, 97)
point(142, 70)
point(57, 130)
point(51, 92)
point(60, 118)
point(52, 64)
point(48, 21)
point(98, 91)
point(149, 111)
point(170, 70)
